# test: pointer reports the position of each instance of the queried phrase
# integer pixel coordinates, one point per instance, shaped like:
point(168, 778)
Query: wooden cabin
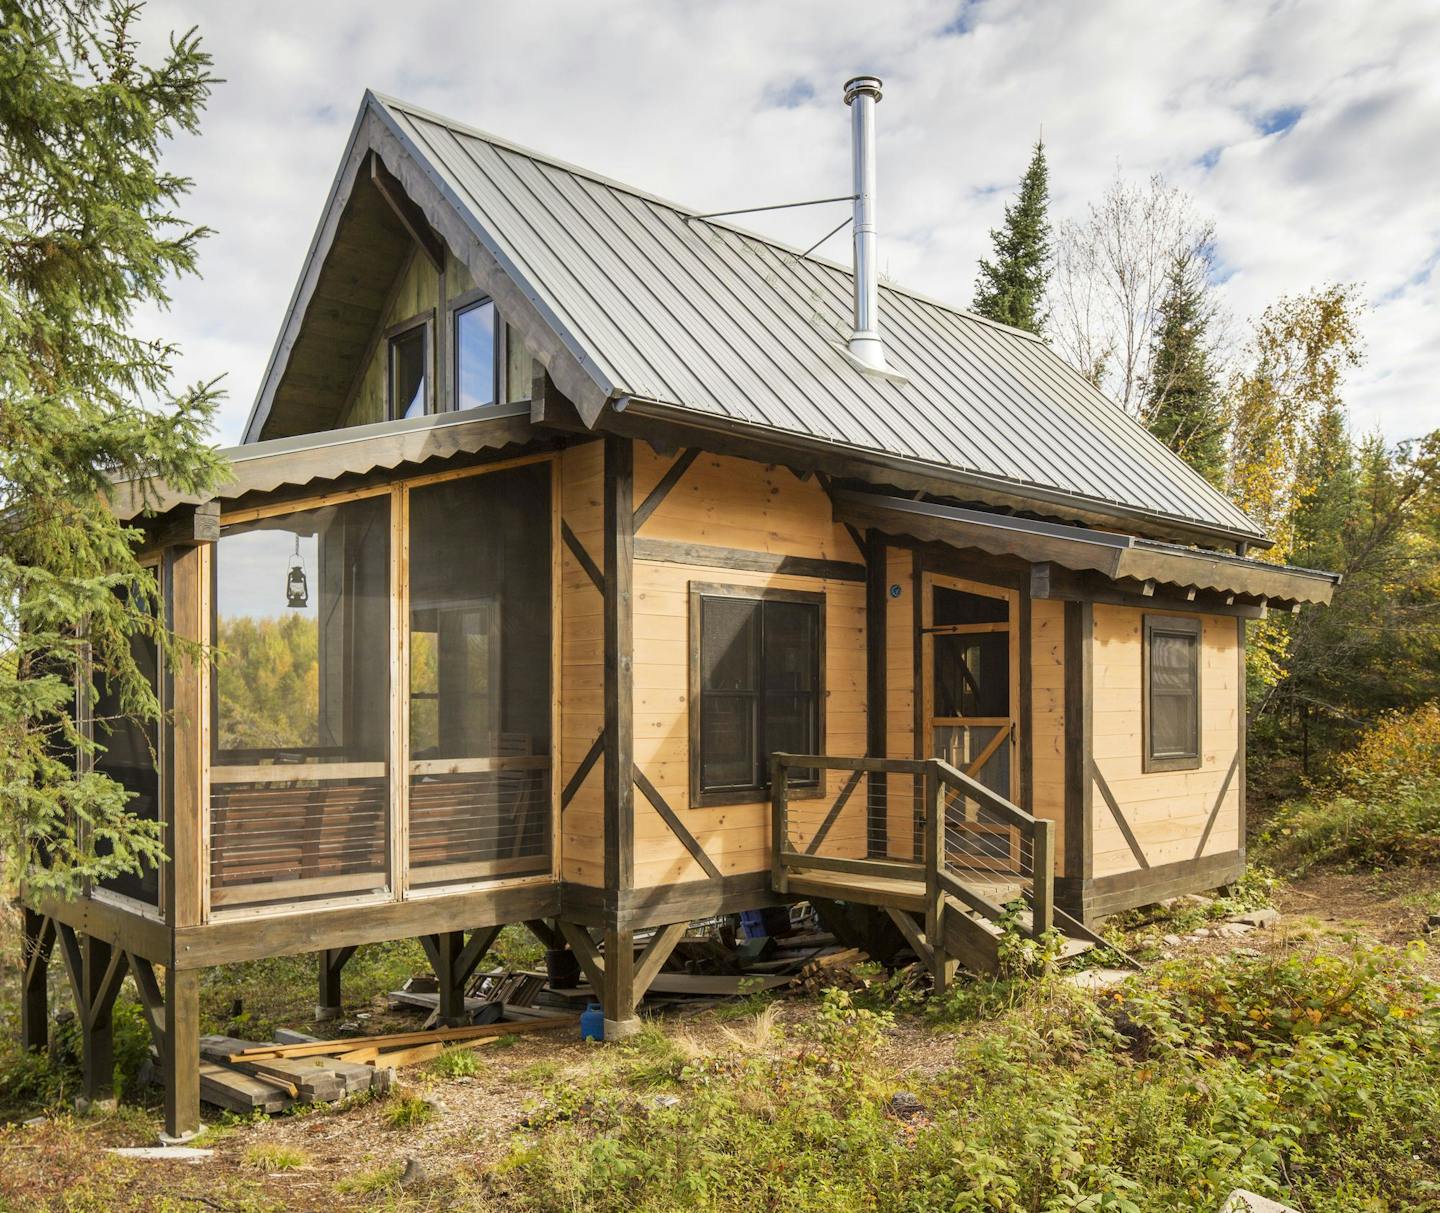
point(579, 568)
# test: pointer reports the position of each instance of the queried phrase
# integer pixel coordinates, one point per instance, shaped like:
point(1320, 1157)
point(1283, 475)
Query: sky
point(1309, 131)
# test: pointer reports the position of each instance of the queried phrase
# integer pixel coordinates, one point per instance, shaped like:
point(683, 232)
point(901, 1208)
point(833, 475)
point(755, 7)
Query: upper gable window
point(409, 361)
point(476, 367)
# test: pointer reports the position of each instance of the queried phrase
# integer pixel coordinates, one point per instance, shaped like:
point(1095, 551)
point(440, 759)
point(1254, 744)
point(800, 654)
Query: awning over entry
point(1134, 563)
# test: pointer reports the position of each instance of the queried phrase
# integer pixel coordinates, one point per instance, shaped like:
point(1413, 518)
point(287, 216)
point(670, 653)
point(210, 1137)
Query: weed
point(407, 1111)
point(375, 1180)
point(271, 1157)
point(455, 1063)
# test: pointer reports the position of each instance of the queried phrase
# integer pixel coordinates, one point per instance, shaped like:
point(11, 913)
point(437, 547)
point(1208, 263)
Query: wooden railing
point(955, 836)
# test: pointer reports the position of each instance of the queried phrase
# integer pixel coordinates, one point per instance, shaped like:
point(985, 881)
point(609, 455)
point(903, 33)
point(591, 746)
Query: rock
point(191, 1154)
point(1200, 933)
point(906, 1104)
point(34, 1121)
point(1198, 899)
point(414, 1172)
point(1433, 923)
point(1171, 941)
point(665, 1101)
point(1233, 929)
point(1240, 1201)
point(1097, 979)
point(1262, 918)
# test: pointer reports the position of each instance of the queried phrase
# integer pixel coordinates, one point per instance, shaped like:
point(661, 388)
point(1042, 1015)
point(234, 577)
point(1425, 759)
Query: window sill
point(710, 800)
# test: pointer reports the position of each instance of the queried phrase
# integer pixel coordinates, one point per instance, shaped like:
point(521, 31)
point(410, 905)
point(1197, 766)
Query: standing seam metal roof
point(721, 322)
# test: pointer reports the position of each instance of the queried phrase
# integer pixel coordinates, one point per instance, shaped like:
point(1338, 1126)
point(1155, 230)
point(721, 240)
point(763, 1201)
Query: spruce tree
point(1183, 404)
point(1011, 288)
point(88, 234)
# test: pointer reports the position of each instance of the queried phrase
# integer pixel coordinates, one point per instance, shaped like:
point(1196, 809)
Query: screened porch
point(380, 706)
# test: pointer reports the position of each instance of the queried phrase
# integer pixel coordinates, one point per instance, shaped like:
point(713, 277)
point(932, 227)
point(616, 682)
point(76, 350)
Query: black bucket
point(562, 968)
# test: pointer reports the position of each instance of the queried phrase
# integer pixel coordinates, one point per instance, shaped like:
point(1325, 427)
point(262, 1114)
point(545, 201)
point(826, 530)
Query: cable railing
point(918, 822)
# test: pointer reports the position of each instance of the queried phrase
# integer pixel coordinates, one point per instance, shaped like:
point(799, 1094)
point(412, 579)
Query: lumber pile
point(246, 1075)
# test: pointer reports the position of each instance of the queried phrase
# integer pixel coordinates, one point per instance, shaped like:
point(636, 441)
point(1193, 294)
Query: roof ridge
point(688, 213)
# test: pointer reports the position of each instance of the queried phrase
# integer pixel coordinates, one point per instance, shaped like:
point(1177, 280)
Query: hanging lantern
point(297, 589)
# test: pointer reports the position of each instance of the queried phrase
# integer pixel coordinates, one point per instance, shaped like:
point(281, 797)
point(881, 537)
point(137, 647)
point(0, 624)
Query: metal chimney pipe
point(865, 347)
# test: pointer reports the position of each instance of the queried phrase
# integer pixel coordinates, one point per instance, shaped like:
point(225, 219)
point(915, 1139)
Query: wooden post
point(779, 826)
point(1043, 877)
point(876, 693)
point(102, 969)
point(180, 1058)
point(618, 991)
point(188, 735)
point(619, 811)
point(35, 997)
point(444, 952)
point(331, 962)
point(933, 802)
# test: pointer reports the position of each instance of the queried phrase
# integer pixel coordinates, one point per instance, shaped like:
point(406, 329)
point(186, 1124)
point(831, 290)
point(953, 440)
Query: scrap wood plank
point(237, 1092)
point(352, 1044)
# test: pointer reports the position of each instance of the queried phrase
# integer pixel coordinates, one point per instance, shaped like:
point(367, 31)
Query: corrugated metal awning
point(263, 467)
point(1121, 558)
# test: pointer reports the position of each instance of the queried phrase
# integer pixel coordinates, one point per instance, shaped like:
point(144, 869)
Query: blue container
point(592, 1022)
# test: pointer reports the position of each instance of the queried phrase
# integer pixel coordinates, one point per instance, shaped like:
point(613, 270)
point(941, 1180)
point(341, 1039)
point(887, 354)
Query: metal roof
point(660, 306)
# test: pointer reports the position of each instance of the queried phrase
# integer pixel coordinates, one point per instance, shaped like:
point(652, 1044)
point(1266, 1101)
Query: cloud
point(1306, 130)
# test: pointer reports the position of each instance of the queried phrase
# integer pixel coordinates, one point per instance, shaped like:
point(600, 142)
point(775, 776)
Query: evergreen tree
point(1182, 405)
point(1011, 288)
point(87, 235)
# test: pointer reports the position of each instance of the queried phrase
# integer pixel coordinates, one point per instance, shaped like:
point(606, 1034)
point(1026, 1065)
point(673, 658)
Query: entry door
point(971, 678)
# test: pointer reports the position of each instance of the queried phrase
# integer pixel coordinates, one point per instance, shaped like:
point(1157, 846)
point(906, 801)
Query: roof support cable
point(779, 206)
point(844, 223)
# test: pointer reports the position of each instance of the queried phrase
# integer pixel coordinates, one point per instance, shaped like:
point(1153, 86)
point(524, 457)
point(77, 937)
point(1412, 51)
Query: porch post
point(180, 1059)
point(35, 995)
point(331, 962)
point(618, 990)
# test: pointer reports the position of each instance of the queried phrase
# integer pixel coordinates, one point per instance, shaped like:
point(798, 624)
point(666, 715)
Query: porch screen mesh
point(480, 651)
point(300, 774)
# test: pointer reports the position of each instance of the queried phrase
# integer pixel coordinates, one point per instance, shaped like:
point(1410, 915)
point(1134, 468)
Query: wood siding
point(1047, 717)
point(582, 664)
point(748, 507)
point(1167, 812)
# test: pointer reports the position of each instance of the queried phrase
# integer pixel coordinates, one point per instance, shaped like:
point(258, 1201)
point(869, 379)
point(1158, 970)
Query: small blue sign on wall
point(895, 591)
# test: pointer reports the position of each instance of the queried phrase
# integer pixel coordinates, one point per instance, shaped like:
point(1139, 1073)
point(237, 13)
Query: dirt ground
point(350, 1156)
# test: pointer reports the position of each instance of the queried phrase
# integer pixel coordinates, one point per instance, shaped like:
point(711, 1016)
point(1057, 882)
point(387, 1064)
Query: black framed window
point(757, 673)
point(1172, 693)
point(407, 370)
point(477, 369)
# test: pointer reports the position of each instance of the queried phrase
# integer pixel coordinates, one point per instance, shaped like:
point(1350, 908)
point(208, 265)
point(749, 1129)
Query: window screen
point(300, 772)
point(759, 687)
point(480, 702)
point(972, 674)
point(408, 357)
point(127, 755)
point(475, 366)
point(1173, 692)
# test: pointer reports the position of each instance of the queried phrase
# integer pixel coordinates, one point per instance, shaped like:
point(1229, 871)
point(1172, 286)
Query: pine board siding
point(1047, 717)
point(582, 666)
point(737, 504)
point(900, 694)
point(1167, 811)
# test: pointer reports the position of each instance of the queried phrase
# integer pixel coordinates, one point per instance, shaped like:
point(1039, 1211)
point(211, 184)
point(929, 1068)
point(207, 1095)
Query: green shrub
point(1309, 1079)
point(455, 1063)
point(1378, 825)
point(271, 1157)
point(406, 1111)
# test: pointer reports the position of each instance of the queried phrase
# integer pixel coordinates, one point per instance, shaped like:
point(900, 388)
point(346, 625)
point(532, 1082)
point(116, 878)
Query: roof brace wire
point(845, 222)
point(779, 206)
